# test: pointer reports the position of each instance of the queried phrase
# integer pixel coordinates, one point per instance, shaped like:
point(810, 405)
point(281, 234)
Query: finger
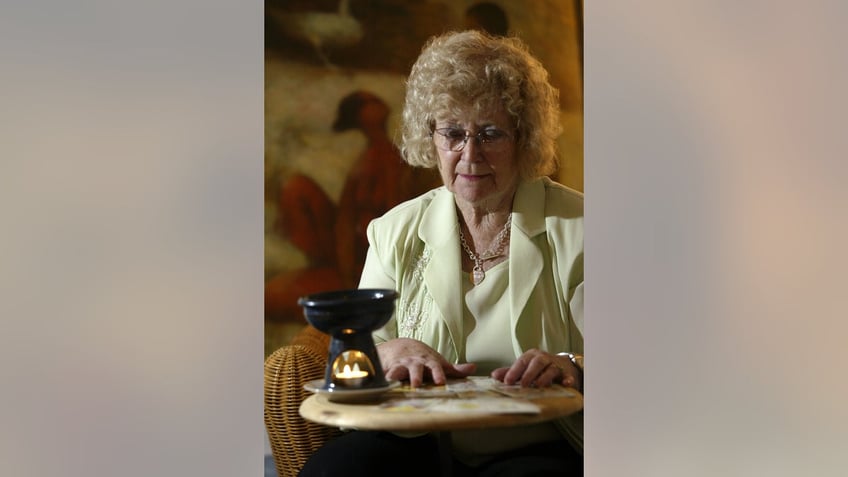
point(460, 370)
point(416, 374)
point(568, 380)
point(437, 372)
point(548, 376)
point(538, 364)
point(499, 373)
point(397, 373)
point(566, 376)
point(515, 372)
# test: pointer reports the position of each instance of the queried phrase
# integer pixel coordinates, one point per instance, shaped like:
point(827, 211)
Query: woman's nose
point(471, 150)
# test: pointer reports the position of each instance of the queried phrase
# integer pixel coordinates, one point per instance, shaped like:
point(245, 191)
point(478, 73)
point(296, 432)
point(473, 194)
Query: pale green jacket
point(414, 249)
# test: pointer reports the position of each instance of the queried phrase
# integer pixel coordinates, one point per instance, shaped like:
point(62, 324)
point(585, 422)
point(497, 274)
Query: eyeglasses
point(454, 139)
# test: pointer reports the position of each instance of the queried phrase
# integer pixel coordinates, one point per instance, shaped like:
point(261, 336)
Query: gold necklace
point(477, 272)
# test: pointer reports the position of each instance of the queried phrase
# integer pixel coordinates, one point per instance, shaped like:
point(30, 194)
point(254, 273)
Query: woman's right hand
point(405, 358)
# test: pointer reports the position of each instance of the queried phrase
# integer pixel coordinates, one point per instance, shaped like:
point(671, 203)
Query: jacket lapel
point(439, 231)
point(525, 258)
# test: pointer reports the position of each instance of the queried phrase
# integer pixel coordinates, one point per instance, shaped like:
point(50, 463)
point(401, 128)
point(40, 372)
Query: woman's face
point(485, 172)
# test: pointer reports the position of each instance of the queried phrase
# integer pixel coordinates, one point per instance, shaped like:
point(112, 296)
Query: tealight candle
point(352, 373)
point(350, 377)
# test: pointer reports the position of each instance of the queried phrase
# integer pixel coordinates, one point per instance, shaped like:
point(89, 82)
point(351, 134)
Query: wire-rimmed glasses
point(490, 139)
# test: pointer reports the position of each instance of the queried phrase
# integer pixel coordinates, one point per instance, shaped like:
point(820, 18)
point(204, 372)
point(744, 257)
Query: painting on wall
point(334, 86)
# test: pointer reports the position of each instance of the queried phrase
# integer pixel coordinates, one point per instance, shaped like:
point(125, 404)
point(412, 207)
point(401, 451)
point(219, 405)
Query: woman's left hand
point(540, 368)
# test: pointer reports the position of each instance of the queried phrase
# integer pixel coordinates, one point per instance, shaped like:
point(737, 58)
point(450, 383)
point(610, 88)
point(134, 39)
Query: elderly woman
point(488, 267)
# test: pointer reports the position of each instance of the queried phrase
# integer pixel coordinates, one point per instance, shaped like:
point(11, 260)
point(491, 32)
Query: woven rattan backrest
point(294, 439)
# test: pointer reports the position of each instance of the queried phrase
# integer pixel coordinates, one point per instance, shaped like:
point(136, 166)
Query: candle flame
point(348, 373)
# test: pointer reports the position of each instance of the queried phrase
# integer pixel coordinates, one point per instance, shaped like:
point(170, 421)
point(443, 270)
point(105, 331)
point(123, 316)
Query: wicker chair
point(294, 439)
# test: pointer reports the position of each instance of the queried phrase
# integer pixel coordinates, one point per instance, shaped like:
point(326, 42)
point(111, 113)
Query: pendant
point(477, 275)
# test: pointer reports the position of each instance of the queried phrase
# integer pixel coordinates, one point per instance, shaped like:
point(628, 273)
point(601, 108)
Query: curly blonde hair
point(461, 69)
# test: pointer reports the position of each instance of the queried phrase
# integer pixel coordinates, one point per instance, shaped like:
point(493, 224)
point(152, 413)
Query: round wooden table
point(377, 416)
point(372, 416)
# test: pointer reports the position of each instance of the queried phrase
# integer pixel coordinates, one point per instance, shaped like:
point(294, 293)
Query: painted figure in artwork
point(332, 236)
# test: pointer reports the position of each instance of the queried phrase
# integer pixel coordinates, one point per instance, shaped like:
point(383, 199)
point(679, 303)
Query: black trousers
point(377, 454)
